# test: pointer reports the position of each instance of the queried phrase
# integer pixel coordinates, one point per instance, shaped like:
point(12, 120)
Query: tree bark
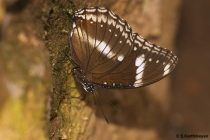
point(70, 116)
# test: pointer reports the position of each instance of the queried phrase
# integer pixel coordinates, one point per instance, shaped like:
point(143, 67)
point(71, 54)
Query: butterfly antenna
point(118, 109)
point(95, 94)
point(114, 106)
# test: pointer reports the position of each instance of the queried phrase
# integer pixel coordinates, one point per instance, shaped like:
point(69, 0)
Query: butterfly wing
point(112, 56)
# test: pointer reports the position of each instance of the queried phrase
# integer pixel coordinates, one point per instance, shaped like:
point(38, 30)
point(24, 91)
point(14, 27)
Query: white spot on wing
point(102, 10)
point(138, 42)
point(147, 46)
point(138, 83)
point(129, 42)
point(111, 22)
point(120, 58)
point(102, 18)
point(124, 34)
point(81, 16)
point(139, 71)
point(101, 46)
point(112, 15)
point(166, 69)
point(91, 17)
point(118, 26)
point(139, 60)
point(156, 50)
point(91, 10)
point(104, 48)
point(140, 38)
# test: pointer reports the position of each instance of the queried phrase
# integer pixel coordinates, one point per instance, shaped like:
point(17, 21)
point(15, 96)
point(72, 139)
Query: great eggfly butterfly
point(108, 54)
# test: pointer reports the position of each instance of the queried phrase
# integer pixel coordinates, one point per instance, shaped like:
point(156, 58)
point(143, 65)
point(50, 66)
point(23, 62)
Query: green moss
point(12, 127)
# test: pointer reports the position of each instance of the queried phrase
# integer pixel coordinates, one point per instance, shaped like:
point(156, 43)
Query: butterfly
point(106, 53)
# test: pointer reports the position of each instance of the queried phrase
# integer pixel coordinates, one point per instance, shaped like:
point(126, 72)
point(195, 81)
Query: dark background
point(190, 111)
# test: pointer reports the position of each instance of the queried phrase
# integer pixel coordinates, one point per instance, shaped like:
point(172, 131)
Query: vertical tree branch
point(71, 118)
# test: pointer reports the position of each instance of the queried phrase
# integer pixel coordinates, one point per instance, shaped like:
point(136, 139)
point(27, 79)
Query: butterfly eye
point(108, 54)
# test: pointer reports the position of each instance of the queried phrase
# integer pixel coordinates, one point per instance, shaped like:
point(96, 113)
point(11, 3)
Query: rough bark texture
point(70, 116)
point(25, 72)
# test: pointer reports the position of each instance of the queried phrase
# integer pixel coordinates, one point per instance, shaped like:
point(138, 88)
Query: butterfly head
point(88, 88)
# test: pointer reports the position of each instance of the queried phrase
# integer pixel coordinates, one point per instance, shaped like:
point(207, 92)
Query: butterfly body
point(108, 54)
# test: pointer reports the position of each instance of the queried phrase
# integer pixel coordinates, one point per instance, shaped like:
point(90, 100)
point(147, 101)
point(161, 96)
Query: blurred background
point(179, 104)
point(190, 82)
